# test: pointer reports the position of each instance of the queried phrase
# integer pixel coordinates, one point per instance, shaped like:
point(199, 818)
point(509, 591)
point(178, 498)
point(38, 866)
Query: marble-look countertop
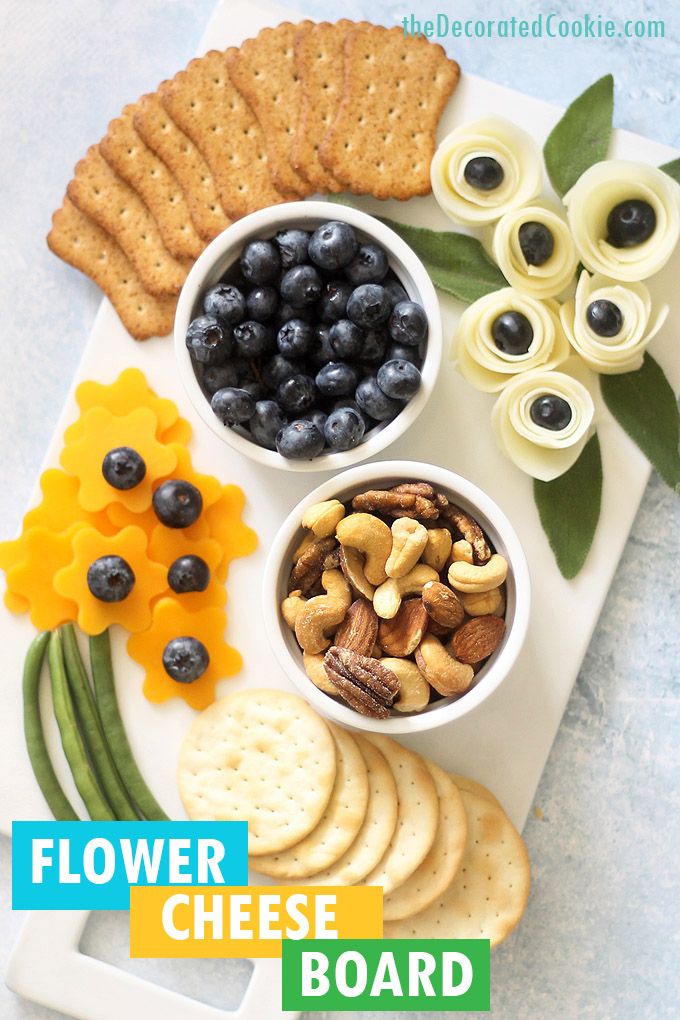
point(600, 937)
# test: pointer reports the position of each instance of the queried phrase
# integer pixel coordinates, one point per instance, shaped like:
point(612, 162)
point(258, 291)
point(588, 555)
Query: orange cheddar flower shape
point(103, 431)
point(172, 620)
point(226, 527)
point(133, 612)
point(168, 544)
point(44, 554)
point(60, 506)
point(128, 392)
point(181, 432)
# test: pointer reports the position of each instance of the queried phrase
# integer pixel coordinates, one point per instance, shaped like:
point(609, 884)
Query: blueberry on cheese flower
point(123, 468)
point(110, 579)
point(177, 503)
point(185, 659)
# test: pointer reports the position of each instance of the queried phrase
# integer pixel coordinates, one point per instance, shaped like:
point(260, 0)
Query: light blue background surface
point(600, 938)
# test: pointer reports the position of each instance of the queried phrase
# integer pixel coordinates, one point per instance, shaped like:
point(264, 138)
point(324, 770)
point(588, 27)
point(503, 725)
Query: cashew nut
point(461, 552)
point(352, 565)
point(317, 674)
point(388, 596)
point(323, 518)
point(447, 675)
point(323, 613)
point(484, 603)
point(414, 690)
point(409, 538)
point(290, 607)
point(438, 547)
point(470, 578)
point(370, 536)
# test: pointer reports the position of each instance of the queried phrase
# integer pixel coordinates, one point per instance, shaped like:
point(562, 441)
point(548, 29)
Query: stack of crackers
point(328, 807)
point(300, 109)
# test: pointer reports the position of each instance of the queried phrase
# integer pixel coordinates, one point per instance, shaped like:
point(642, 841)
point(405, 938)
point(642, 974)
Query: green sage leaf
point(569, 508)
point(456, 263)
point(672, 169)
point(644, 404)
point(581, 137)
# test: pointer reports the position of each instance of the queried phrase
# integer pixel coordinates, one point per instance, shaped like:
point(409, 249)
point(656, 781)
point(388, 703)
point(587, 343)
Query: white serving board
point(504, 743)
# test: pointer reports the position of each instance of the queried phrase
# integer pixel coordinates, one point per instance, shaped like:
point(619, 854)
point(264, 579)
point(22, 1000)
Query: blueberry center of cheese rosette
point(551, 412)
point(185, 659)
point(512, 333)
point(123, 468)
point(484, 173)
point(630, 223)
point(110, 579)
point(536, 242)
point(604, 318)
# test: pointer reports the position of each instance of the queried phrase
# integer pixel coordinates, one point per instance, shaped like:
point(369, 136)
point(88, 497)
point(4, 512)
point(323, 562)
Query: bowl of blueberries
point(308, 336)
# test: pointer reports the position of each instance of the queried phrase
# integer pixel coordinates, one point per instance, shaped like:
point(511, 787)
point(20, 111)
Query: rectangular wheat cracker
point(105, 197)
point(158, 130)
point(78, 240)
point(263, 70)
point(127, 154)
point(206, 105)
point(384, 136)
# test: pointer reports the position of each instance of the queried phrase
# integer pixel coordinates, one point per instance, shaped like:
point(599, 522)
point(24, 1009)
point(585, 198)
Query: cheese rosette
point(515, 152)
point(479, 358)
point(543, 451)
point(597, 192)
point(540, 281)
point(623, 352)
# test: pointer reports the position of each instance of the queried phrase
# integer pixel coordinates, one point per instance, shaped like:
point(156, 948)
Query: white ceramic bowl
point(221, 253)
point(496, 526)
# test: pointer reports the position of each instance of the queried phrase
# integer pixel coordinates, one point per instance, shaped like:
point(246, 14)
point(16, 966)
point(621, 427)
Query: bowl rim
point(504, 535)
point(269, 220)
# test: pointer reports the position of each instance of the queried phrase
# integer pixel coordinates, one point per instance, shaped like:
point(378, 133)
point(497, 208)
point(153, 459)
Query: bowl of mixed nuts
point(396, 596)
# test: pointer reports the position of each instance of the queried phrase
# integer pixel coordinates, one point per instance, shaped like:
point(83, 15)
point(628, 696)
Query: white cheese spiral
point(537, 450)
point(556, 273)
point(479, 359)
point(623, 352)
point(593, 197)
point(515, 151)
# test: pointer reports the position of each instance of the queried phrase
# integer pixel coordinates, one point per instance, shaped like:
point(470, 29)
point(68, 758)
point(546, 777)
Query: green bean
point(114, 730)
point(91, 729)
point(57, 801)
point(71, 739)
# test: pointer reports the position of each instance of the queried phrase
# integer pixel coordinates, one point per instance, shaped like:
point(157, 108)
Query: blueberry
point(295, 338)
point(408, 323)
point(233, 405)
point(483, 173)
point(208, 341)
point(333, 245)
point(630, 223)
point(402, 352)
point(395, 291)
point(253, 338)
point(318, 417)
point(346, 402)
point(260, 262)
point(177, 503)
point(344, 429)
point(301, 440)
point(369, 265)
point(346, 339)
point(537, 243)
point(256, 389)
point(333, 302)
point(185, 659)
point(512, 333)
point(292, 245)
point(551, 412)
point(398, 379)
point(336, 379)
point(297, 394)
point(226, 303)
point(286, 312)
point(301, 286)
point(123, 468)
point(188, 573)
point(374, 402)
point(278, 369)
point(110, 579)
point(374, 346)
point(266, 423)
point(321, 352)
point(604, 318)
point(261, 303)
point(369, 305)
point(216, 377)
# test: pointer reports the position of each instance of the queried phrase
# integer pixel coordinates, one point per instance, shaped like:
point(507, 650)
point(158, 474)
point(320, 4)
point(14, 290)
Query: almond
point(443, 605)
point(478, 638)
point(401, 635)
point(359, 629)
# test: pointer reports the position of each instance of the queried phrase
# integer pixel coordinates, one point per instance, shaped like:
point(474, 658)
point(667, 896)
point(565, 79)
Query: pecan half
point(400, 636)
point(306, 574)
point(365, 684)
point(396, 504)
point(468, 528)
point(359, 629)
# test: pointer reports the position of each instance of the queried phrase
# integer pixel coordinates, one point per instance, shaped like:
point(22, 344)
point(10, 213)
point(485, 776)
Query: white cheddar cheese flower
point(624, 218)
point(482, 170)
point(609, 324)
point(506, 333)
point(535, 251)
point(542, 420)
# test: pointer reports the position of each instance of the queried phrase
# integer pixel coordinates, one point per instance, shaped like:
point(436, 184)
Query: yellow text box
point(247, 921)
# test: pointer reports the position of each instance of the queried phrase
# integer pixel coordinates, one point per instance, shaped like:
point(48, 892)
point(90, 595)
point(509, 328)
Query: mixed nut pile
point(396, 598)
